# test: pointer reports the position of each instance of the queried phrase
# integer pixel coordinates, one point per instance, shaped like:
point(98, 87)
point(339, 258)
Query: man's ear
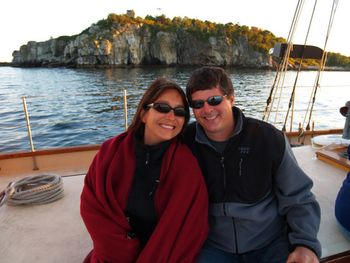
point(232, 99)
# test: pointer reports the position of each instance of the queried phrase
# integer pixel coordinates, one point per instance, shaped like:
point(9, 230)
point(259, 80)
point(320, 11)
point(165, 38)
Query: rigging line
point(269, 103)
point(273, 91)
point(323, 59)
point(281, 73)
point(278, 86)
point(292, 96)
point(312, 99)
point(314, 91)
point(276, 89)
point(281, 90)
point(296, 14)
point(287, 54)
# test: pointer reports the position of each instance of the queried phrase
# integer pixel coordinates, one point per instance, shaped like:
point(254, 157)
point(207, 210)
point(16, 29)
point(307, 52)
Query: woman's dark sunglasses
point(212, 101)
point(165, 108)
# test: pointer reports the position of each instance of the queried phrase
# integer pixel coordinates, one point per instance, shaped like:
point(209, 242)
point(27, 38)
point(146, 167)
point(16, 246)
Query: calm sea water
point(85, 106)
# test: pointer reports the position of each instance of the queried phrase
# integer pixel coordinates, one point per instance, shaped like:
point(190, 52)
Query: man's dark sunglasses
point(165, 108)
point(212, 101)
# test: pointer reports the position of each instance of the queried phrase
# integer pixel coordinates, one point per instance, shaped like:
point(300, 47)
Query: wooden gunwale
point(51, 151)
point(91, 147)
point(343, 257)
point(314, 132)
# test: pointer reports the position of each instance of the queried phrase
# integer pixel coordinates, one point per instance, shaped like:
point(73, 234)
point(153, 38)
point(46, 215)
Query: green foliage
point(305, 63)
point(115, 20)
point(104, 24)
point(258, 39)
point(333, 60)
point(66, 38)
point(336, 59)
point(261, 40)
point(121, 19)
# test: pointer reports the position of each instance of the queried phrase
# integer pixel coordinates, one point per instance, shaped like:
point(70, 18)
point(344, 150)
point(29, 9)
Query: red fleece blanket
point(181, 203)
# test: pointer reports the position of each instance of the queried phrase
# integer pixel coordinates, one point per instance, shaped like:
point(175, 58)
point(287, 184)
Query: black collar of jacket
point(154, 152)
point(239, 119)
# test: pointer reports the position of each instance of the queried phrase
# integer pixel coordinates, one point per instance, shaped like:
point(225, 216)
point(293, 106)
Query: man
point(261, 207)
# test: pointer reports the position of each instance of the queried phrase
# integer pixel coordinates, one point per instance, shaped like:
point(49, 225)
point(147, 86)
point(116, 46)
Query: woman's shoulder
point(112, 141)
point(185, 157)
point(184, 170)
point(184, 149)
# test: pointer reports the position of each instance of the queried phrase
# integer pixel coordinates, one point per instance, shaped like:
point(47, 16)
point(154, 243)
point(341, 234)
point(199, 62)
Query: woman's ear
point(143, 116)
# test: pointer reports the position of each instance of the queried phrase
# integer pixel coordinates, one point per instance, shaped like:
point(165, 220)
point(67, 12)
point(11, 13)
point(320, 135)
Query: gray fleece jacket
point(256, 188)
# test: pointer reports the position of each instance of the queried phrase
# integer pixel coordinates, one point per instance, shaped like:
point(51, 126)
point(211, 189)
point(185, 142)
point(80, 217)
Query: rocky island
point(126, 40)
point(123, 40)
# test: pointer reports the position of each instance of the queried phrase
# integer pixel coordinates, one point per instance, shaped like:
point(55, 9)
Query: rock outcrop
point(137, 45)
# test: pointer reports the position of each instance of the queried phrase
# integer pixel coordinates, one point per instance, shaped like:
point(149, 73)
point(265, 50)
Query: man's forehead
point(214, 90)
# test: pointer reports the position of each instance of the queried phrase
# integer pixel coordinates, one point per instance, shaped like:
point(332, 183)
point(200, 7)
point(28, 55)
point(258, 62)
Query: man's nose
point(207, 107)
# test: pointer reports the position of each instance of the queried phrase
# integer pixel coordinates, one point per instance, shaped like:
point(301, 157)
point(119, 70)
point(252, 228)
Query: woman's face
point(160, 127)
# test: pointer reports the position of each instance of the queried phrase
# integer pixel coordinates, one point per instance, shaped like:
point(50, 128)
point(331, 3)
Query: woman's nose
point(170, 114)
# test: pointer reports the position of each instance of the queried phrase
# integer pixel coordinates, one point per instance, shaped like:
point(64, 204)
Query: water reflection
point(85, 106)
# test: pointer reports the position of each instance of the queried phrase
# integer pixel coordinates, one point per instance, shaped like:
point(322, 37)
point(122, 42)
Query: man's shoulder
point(265, 131)
point(263, 125)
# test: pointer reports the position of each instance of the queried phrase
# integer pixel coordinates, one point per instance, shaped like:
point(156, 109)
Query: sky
point(38, 20)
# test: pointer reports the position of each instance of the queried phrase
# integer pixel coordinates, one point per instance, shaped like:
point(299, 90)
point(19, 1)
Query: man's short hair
point(209, 77)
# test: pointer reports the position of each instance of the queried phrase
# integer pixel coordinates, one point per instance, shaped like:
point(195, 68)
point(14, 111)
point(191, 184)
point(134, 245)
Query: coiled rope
point(33, 190)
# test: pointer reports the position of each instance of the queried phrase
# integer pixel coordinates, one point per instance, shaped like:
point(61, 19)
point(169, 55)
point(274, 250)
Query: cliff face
point(136, 45)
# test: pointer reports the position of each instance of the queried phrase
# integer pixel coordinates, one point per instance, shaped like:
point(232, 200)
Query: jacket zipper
point(240, 166)
point(233, 219)
point(147, 158)
point(222, 161)
point(235, 234)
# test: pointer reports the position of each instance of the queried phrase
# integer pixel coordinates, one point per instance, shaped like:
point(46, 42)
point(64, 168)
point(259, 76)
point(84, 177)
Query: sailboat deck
point(45, 233)
point(327, 182)
point(55, 232)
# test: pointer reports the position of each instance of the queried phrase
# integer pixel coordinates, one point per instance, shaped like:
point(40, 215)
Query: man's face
point(216, 120)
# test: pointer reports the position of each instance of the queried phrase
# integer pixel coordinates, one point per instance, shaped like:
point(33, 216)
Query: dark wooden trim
point(314, 133)
point(343, 257)
point(60, 150)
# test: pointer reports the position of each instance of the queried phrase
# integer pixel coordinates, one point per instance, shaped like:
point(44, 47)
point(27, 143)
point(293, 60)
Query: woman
point(144, 198)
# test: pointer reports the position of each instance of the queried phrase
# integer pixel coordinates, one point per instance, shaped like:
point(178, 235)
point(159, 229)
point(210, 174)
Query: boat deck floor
point(55, 232)
point(45, 233)
point(327, 182)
